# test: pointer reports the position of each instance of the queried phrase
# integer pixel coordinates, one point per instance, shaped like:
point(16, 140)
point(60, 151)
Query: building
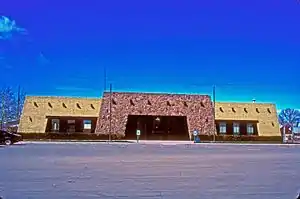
point(59, 114)
point(247, 119)
point(157, 116)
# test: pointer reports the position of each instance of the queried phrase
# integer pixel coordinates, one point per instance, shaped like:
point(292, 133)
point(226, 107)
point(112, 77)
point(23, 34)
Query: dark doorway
point(157, 127)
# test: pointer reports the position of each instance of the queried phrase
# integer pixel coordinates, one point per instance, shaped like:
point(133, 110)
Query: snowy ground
point(101, 170)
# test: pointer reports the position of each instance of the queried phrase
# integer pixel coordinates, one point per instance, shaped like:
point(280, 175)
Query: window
point(87, 124)
point(71, 126)
point(222, 127)
point(250, 129)
point(236, 128)
point(55, 124)
point(71, 121)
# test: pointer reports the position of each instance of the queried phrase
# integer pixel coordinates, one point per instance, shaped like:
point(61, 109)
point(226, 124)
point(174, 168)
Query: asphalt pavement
point(176, 171)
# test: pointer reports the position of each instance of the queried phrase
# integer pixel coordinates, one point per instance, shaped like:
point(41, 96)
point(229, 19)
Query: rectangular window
point(250, 129)
point(71, 126)
point(236, 128)
point(87, 124)
point(55, 124)
point(222, 127)
point(71, 121)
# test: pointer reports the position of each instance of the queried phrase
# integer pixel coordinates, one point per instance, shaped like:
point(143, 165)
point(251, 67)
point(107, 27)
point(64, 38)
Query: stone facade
point(197, 108)
point(264, 113)
point(37, 109)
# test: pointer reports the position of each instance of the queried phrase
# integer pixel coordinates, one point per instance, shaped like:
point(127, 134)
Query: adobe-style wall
point(264, 113)
point(36, 109)
point(197, 108)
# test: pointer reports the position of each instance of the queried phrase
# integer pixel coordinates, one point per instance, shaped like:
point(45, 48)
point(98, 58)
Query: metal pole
point(214, 101)
point(18, 106)
point(104, 78)
point(110, 114)
point(2, 108)
point(292, 128)
point(283, 134)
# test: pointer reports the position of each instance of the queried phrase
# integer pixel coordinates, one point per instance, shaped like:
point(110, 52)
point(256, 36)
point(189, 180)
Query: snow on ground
point(206, 171)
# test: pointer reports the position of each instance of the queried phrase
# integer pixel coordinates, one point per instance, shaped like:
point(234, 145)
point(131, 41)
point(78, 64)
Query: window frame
point(222, 125)
point(236, 125)
point(53, 121)
point(250, 125)
point(87, 122)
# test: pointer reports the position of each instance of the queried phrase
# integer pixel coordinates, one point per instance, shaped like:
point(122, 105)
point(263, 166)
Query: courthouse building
point(172, 116)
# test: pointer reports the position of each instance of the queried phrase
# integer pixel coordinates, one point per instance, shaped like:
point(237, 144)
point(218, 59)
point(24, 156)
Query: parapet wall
point(36, 109)
point(264, 113)
point(197, 108)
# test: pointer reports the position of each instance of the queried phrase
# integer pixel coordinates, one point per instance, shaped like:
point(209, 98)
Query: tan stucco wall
point(268, 124)
point(33, 119)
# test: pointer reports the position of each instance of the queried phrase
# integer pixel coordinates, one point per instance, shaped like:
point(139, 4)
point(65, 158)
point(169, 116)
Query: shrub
point(101, 137)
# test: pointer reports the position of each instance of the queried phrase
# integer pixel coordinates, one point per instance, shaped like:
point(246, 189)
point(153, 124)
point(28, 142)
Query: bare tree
point(289, 117)
point(11, 105)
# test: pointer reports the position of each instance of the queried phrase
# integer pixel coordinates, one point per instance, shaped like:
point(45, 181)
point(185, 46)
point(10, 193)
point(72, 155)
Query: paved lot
point(94, 170)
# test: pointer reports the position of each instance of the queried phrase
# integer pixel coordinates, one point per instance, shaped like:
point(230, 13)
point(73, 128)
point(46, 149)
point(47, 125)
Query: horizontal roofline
point(259, 103)
point(156, 93)
point(62, 97)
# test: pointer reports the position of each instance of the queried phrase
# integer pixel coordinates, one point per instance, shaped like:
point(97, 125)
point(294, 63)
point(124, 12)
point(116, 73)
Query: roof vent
point(35, 104)
point(202, 104)
point(131, 102)
point(92, 106)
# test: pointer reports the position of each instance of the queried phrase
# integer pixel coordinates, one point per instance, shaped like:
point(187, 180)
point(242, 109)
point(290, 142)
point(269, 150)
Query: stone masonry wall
point(197, 108)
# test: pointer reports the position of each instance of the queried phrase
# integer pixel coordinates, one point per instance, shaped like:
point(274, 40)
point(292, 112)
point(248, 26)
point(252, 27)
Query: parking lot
point(101, 170)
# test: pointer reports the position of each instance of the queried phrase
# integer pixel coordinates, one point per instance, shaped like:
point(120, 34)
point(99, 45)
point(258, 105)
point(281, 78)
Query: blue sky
point(248, 49)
